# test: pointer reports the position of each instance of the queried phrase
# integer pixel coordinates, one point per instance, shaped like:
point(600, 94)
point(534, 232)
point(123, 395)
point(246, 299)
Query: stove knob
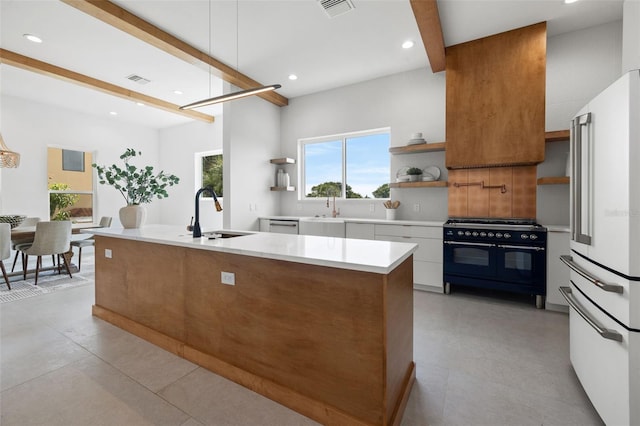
point(507, 235)
point(467, 233)
point(483, 234)
point(490, 234)
point(460, 233)
point(475, 234)
point(533, 237)
point(498, 235)
point(524, 236)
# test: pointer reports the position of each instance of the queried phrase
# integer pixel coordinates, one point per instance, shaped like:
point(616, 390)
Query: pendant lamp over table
point(8, 158)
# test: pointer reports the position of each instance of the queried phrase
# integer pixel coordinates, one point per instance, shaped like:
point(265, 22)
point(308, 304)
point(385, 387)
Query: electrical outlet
point(372, 208)
point(107, 253)
point(228, 278)
point(416, 207)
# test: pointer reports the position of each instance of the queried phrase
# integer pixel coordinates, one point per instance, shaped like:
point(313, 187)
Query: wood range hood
point(495, 123)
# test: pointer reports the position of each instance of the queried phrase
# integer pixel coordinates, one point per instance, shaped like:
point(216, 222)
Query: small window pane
point(323, 169)
point(212, 173)
point(367, 173)
point(72, 161)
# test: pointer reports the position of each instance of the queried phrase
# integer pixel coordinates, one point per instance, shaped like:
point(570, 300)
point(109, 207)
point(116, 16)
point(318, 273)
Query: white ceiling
point(266, 40)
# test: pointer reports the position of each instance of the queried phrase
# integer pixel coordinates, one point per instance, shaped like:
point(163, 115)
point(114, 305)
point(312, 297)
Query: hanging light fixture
point(231, 96)
point(234, 95)
point(8, 158)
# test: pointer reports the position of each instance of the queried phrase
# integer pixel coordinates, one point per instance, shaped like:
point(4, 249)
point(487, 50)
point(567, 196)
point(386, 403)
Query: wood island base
point(333, 344)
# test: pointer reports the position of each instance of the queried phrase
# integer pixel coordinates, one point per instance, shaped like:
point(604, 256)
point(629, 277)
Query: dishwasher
point(283, 226)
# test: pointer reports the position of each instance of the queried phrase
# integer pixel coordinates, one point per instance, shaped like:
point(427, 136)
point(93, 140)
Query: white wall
point(579, 65)
point(178, 146)
point(631, 36)
point(29, 127)
point(408, 102)
point(251, 137)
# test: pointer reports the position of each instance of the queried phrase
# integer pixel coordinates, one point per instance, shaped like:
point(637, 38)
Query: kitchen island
point(321, 325)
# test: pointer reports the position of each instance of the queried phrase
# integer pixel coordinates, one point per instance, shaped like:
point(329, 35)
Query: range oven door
point(522, 265)
point(469, 259)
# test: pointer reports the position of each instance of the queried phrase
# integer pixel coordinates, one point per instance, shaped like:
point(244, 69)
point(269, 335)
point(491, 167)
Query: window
point(350, 165)
point(209, 171)
point(70, 185)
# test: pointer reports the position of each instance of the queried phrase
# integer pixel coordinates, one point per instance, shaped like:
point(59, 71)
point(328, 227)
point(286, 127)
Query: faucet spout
point(197, 232)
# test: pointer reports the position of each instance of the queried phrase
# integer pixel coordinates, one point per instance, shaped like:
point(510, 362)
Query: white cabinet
point(362, 231)
point(557, 272)
point(427, 259)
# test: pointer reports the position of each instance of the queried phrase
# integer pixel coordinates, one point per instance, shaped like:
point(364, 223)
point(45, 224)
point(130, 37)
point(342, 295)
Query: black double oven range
point(500, 254)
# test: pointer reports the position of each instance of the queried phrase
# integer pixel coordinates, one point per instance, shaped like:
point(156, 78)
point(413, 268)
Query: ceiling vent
point(138, 79)
point(334, 8)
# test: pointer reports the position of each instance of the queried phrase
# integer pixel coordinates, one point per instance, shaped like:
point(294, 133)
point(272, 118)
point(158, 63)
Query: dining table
point(26, 232)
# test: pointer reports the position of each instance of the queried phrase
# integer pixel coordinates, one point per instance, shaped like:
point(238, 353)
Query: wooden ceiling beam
point(23, 62)
point(120, 18)
point(428, 20)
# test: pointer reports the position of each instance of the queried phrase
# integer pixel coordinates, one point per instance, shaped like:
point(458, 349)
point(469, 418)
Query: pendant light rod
point(8, 158)
point(231, 96)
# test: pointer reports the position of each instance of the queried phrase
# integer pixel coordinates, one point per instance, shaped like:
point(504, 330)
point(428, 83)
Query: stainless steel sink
point(224, 234)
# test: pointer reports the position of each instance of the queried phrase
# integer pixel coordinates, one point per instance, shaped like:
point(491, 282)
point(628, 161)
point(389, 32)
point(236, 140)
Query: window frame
point(303, 142)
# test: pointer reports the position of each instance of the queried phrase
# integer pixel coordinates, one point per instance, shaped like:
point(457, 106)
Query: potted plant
point(414, 174)
point(137, 186)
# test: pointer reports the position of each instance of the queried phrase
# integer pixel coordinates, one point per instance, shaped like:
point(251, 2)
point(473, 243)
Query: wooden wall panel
point(495, 110)
point(524, 193)
point(499, 202)
point(458, 196)
point(478, 197)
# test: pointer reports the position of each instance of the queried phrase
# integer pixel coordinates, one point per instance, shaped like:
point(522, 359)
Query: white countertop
point(361, 255)
point(360, 220)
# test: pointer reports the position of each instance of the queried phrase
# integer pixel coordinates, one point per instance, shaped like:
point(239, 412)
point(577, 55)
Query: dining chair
point(26, 223)
point(51, 238)
point(105, 222)
point(5, 249)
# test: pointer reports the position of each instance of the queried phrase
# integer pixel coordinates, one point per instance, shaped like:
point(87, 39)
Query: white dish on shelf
point(402, 172)
point(426, 177)
point(433, 171)
point(402, 179)
point(416, 141)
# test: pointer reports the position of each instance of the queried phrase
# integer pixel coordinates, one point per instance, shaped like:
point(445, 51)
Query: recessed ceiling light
point(177, 92)
point(32, 38)
point(569, 1)
point(407, 44)
point(139, 104)
point(113, 113)
point(293, 77)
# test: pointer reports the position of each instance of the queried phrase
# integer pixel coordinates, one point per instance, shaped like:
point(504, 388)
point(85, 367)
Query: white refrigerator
point(604, 258)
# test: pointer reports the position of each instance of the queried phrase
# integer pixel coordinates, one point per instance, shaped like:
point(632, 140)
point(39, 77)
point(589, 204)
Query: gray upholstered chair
point(27, 223)
point(5, 249)
point(51, 238)
point(105, 222)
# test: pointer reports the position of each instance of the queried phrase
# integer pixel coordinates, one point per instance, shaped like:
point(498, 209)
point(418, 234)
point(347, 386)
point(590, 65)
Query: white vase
point(133, 216)
point(391, 214)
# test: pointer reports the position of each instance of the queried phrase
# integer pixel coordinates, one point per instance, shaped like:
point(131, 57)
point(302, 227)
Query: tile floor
point(480, 361)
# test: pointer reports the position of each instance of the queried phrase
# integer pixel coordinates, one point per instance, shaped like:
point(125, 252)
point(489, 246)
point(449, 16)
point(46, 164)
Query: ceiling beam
point(428, 20)
point(120, 18)
point(19, 61)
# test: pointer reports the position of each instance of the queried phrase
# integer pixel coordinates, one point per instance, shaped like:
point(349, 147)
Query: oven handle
point(468, 244)
point(613, 288)
point(521, 247)
point(602, 331)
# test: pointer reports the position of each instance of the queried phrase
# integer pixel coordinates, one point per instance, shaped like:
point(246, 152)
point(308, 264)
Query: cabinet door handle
point(602, 331)
point(613, 288)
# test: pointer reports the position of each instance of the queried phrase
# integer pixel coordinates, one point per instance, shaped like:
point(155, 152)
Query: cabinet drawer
point(604, 366)
point(428, 249)
point(409, 231)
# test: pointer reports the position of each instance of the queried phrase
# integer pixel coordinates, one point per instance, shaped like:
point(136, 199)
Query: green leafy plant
point(414, 171)
point(59, 202)
point(137, 186)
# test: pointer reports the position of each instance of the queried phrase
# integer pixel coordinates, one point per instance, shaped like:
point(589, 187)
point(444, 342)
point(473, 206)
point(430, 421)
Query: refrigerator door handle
point(581, 179)
point(613, 288)
point(602, 331)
